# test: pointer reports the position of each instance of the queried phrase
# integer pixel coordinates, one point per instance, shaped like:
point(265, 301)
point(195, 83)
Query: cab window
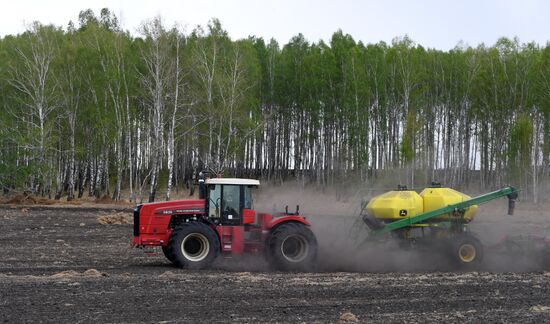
point(214, 194)
point(231, 201)
point(248, 197)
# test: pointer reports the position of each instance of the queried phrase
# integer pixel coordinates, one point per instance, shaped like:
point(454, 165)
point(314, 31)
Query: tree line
point(93, 110)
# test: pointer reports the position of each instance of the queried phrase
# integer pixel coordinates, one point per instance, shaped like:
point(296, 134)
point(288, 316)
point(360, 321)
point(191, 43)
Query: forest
point(90, 109)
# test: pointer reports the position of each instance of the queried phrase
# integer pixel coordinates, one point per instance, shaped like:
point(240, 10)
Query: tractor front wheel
point(193, 245)
point(166, 252)
point(292, 246)
point(466, 251)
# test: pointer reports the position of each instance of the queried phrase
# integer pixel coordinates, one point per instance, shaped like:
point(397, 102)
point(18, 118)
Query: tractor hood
point(196, 206)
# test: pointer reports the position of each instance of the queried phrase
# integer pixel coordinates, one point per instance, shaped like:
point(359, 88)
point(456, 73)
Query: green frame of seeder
point(457, 210)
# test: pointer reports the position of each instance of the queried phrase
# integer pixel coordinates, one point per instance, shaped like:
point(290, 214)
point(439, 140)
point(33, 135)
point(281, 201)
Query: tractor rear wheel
point(292, 246)
point(193, 245)
point(466, 251)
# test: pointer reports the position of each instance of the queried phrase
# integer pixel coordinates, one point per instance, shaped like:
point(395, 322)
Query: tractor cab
point(229, 200)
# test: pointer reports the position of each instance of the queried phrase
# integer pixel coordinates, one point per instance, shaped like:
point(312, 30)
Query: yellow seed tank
point(395, 205)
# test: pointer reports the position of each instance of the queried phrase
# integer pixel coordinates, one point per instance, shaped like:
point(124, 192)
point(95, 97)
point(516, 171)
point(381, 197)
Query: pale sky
point(432, 23)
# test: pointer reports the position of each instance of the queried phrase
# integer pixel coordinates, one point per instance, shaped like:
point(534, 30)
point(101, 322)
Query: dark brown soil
point(61, 265)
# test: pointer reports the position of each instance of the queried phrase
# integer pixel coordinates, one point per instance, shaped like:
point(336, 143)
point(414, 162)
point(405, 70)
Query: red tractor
point(193, 233)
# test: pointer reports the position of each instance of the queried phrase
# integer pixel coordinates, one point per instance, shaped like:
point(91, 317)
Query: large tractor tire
point(466, 251)
point(193, 245)
point(166, 252)
point(292, 247)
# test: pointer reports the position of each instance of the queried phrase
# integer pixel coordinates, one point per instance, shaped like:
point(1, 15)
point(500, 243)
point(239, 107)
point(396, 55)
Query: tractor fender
point(285, 219)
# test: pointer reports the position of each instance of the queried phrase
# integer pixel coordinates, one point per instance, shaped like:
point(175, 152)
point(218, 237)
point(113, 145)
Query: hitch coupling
point(512, 202)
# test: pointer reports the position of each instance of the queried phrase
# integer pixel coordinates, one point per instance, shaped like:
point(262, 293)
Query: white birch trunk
point(171, 146)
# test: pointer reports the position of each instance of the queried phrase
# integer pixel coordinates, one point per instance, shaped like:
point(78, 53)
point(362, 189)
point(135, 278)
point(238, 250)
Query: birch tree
point(157, 80)
point(178, 91)
point(32, 78)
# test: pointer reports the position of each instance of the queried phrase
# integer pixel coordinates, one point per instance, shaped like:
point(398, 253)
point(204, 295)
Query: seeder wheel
point(466, 251)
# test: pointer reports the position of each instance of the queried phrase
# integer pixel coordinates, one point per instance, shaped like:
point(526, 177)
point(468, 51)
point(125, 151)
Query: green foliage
point(519, 147)
point(315, 108)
